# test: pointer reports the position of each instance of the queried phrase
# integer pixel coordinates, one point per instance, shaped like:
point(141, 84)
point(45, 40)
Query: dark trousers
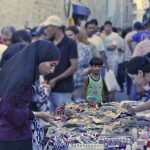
point(16, 145)
point(129, 84)
point(121, 75)
point(131, 88)
point(128, 80)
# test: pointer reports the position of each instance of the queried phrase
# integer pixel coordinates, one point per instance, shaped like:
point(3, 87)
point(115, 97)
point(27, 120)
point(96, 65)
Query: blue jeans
point(57, 99)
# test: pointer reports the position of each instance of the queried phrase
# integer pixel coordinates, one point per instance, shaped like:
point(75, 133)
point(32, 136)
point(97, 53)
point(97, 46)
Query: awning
point(81, 10)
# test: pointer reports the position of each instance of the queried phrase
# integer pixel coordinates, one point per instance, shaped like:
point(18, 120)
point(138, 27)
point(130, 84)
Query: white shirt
point(142, 48)
point(112, 56)
point(97, 42)
point(111, 39)
point(128, 53)
point(121, 45)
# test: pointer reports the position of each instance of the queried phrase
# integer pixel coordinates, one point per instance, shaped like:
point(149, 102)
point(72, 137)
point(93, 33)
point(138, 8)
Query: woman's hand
point(46, 85)
point(46, 116)
point(128, 107)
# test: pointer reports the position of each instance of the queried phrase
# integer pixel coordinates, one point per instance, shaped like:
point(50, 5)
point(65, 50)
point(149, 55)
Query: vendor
point(138, 69)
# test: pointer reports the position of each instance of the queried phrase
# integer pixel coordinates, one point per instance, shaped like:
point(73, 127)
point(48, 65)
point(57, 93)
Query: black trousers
point(121, 74)
point(16, 145)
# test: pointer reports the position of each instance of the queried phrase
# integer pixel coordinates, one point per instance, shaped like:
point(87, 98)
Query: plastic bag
point(111, 81)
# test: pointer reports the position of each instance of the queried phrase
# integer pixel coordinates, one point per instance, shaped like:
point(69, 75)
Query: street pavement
point(121, 95)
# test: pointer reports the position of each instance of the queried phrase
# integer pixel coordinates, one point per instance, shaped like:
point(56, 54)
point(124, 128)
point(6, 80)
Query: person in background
point(110, 43)
point(139, 70)
point(110, 40)
point(129, 47)
point(121, 64)
point(131, 37)
point(93, 88)
point(119, 31)
point(20, 39)
point(142, 48)
point(38, 34)
point(98, 31)
point(95, 24)
point(84, 56)
point(142, 34)
point(17, 78)
point(61, 81)
point(6, 34)
point(91, 28)
point(84, 39)
point(126, 31)
point(139, 37)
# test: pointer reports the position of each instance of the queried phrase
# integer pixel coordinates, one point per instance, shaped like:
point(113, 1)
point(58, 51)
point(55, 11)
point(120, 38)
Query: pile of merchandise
point(86, 123)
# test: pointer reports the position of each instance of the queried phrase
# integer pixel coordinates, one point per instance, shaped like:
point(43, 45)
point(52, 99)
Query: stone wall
point(33, 12)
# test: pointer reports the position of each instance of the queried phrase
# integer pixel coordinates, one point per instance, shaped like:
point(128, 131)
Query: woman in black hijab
point(17, 77)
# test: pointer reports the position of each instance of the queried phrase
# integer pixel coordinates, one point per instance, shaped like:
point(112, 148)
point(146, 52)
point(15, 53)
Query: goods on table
point(85, 123)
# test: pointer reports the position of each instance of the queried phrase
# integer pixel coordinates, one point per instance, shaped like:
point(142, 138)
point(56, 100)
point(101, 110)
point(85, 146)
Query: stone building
point(120, 12)
point(139, 9)
point(33, 12)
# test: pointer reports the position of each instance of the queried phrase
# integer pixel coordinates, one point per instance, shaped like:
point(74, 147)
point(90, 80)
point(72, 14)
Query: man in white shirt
point(110, 40)
point(129, 44)
point(121, 64)
point(91, 28)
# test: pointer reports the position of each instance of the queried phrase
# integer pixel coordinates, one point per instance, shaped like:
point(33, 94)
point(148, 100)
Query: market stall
point(85, 125)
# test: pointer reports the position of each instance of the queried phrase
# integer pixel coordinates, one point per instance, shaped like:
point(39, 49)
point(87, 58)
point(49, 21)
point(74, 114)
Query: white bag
point(111, 81)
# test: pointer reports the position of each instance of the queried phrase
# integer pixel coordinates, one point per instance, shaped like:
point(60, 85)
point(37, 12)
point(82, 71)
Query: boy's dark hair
point(108, 23)
point(96, 61)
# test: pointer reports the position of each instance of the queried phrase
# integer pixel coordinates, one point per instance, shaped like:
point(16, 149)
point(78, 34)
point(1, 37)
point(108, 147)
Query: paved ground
point(121, 96)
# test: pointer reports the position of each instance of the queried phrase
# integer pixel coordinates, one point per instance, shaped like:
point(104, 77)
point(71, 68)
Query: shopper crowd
point(51, 65)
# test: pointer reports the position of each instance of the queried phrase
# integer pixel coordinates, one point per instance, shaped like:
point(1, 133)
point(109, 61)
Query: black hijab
point(22, 69)
point(11, 51)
